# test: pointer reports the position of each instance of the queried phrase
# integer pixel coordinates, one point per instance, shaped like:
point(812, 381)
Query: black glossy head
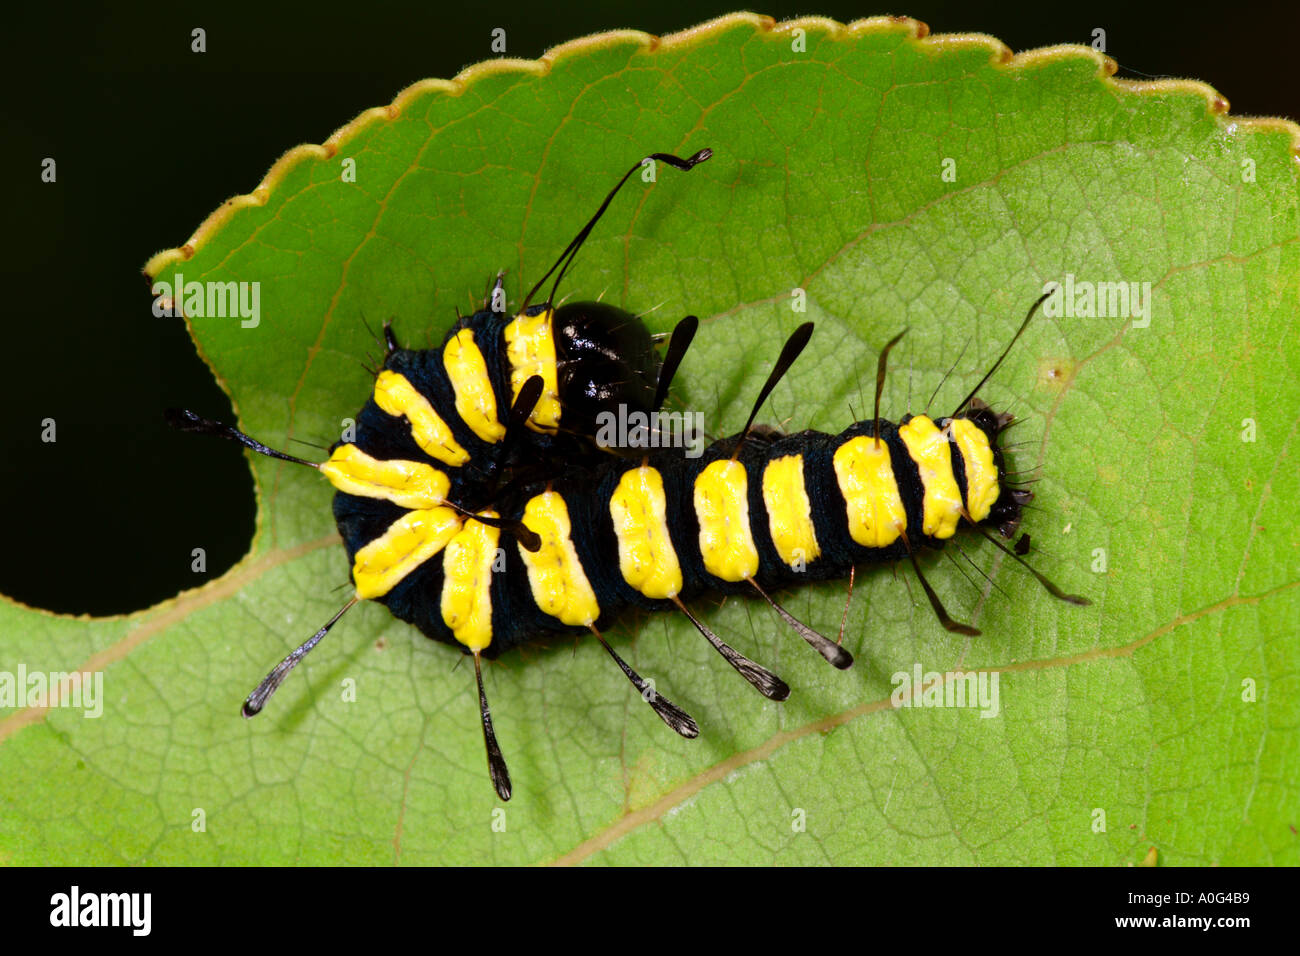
point(605, 358)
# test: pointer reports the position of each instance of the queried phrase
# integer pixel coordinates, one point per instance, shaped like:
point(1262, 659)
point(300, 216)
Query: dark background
point(104, 519)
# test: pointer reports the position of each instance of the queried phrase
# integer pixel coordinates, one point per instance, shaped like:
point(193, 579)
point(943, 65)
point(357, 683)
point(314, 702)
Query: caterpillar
point(538, 543)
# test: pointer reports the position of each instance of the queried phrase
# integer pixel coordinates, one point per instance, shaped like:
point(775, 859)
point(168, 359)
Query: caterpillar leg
point(668, 712)
point(948, 623)
point(762, 679)
point(255, 701)
point(827, 648)
point(497, 769)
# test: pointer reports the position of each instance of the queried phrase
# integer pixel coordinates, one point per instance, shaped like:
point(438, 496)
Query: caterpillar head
point(605, 358)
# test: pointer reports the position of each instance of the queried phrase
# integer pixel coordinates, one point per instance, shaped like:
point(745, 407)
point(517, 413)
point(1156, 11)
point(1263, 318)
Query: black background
point(149, 138)
point(908, 909)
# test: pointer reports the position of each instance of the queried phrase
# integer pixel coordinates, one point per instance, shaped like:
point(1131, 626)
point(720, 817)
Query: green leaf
point(831, 149)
